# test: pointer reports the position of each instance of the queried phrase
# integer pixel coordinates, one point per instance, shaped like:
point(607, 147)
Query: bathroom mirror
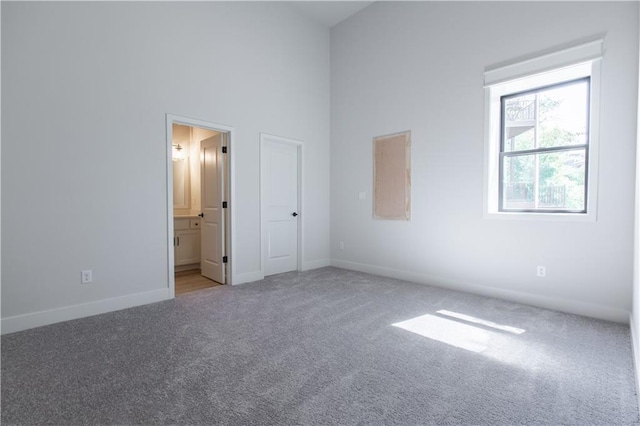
point(181, 185)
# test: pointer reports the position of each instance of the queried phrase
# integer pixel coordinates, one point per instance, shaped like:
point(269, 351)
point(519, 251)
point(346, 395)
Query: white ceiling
point(328, 13)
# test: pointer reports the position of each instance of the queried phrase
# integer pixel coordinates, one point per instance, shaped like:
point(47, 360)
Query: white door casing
point(212, 193)
point(280, 204)
point(230, 228)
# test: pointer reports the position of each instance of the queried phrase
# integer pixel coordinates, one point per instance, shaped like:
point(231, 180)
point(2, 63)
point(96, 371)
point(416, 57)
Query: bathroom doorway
point(199, 207)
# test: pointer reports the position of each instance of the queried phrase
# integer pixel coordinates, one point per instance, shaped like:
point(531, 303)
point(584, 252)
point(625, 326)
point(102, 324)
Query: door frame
point(230, 186)
point(266, 137)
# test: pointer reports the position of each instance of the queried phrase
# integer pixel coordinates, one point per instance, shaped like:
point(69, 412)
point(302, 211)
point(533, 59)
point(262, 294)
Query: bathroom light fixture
point(177, 155)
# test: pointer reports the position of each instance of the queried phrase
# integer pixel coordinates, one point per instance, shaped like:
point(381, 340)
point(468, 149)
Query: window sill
point(548, 217)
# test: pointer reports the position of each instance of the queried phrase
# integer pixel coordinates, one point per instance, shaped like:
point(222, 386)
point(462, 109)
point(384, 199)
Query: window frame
point(542, 150)
point(528, 74)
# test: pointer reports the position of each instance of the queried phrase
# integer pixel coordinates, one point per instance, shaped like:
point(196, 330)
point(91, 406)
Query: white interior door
point(212, 248)
point(279, 174)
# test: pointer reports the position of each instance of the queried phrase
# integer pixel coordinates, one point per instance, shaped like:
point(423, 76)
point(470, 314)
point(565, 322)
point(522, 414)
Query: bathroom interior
point(189, 240)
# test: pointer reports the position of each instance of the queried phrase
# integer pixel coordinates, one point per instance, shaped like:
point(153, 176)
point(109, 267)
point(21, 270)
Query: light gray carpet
point(320, 347)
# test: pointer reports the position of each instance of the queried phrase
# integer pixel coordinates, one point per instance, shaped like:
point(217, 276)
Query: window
point(544, 149)
point(541, 142)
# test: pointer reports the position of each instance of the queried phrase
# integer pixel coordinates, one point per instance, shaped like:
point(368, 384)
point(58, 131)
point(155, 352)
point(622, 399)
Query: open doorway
point(199, 217)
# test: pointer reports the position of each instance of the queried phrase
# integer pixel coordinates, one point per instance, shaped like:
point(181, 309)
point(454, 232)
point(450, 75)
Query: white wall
point(86, 89)
point(0, 163)
point(419, 66)
point(635, 313)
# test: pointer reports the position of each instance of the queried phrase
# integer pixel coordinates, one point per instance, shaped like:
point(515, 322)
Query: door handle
point(294, 214)
point(201, 215)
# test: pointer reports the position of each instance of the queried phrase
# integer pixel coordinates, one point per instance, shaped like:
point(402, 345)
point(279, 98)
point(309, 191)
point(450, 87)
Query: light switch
point(362, 195)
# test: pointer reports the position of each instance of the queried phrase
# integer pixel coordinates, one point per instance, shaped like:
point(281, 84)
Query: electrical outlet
point(341, 245)
point(86, 276)
point(362, 195)
point(542, 271)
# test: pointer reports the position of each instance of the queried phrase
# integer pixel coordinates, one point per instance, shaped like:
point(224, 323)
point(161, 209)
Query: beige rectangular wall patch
point(392, 176)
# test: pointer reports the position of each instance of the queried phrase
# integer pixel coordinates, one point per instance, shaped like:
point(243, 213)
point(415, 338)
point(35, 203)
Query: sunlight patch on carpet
point(452, 333)
point(475, 320)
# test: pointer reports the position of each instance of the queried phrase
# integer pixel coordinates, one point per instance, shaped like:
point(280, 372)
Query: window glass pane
point(519, 123)
point(518, 177)
point(563, 115)
point(557, 116)
point(544, 181)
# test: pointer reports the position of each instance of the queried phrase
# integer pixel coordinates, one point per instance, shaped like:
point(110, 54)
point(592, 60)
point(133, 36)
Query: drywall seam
point(570, 306)
point(52, 316)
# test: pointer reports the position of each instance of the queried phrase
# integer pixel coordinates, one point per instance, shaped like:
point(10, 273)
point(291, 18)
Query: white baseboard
point(247, 277)
point(183, 268)
point(315, 264)
point(635, 352)
point(570, 306)
point(52, 316)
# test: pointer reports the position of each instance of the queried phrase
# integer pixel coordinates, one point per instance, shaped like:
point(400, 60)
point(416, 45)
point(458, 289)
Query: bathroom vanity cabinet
point(186, 240)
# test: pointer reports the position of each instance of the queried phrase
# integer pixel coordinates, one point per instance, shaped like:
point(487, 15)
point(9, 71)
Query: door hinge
point(224, 204)
point(225, 259)
point(224, 149)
